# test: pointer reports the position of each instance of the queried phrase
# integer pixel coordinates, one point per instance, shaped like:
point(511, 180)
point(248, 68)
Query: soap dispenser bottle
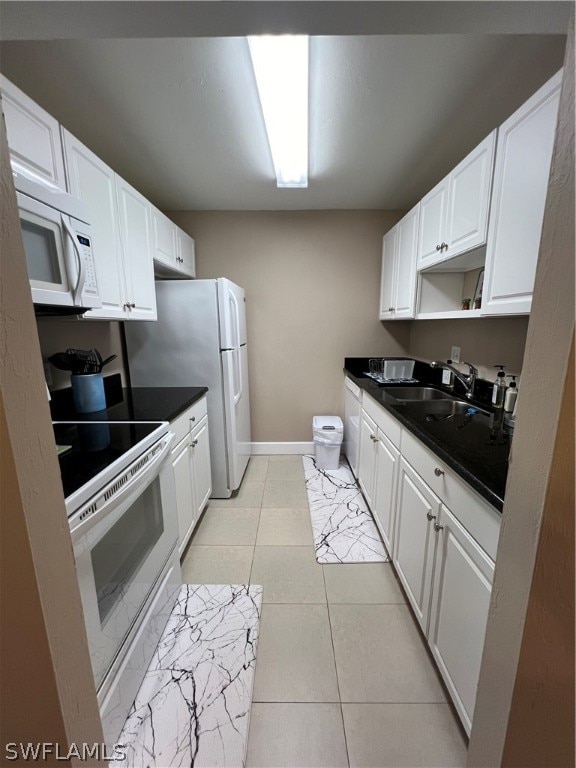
point(511, 395)
point(499, 388)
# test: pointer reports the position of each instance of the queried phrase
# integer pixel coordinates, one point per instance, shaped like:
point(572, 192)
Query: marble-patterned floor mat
point(193, 707)
point(343, 527)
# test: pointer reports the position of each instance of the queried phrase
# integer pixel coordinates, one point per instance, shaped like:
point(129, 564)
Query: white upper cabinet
point(405, 298)
point(398, 279)
point(454, 215)
point(186, 253)
point(33, 137)
point(164, 238)
point(121, 232)
point(469, 199)
point(388, 275)
point(174, 251)
point(523, 158)
point(432, 225)
point(135, 217)
point(95, 183)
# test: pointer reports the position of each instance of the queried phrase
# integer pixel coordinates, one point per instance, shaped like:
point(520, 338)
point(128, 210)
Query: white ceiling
point(180, 119)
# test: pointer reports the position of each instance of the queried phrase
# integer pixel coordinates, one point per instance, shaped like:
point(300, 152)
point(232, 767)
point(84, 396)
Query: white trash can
point(328, 433)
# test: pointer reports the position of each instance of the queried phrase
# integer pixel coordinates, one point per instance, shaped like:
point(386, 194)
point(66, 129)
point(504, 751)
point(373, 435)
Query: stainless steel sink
point(435, 410)
point(409, 394)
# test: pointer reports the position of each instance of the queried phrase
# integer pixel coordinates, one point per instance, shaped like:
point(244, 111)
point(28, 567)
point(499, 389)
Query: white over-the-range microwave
point(58, 246)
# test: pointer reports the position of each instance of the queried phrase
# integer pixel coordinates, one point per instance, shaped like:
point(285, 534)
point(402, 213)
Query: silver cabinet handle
point(438, 247)
point(438, 527)
point(444, 246)
point(126, 305)
point(374, 438)
point(194, 443)
point(430, 516)
point(391, 309)
point(132, 306)
point(192, 418)
point(438, 472)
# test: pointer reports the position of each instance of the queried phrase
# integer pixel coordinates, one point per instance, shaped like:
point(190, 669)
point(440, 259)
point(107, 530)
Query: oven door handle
point(113, 498)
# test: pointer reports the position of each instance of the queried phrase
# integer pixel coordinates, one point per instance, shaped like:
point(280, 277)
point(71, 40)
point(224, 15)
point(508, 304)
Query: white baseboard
point(269, 449)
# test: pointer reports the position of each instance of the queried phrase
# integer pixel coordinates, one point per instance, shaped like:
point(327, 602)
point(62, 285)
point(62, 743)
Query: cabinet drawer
point(198, 424)
point(385, 422)
point(479, 518)
point(188, 420)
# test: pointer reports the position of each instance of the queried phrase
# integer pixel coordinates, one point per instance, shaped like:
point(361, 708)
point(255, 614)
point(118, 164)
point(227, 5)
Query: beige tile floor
point(342, 675)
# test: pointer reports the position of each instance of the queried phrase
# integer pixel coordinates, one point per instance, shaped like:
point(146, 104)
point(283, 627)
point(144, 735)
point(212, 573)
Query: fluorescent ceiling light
point(281, 68)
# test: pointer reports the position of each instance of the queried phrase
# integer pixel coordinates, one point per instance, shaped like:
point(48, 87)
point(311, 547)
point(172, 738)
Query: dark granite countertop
point(129, 404)
point(469, 445)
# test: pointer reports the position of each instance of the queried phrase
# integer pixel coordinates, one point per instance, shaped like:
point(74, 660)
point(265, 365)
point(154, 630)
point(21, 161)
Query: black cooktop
point(93, 447)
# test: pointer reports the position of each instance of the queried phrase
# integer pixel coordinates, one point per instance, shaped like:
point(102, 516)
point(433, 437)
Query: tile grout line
point(336, 668)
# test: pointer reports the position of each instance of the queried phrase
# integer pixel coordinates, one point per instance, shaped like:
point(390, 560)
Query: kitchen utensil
point(108, 360)
point(61, 360)
point(85, 361)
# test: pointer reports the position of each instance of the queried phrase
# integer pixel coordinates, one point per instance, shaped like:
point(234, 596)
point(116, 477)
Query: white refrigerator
point(199, 340)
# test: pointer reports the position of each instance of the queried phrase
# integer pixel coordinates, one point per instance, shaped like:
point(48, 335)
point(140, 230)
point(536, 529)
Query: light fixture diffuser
point(281, 69)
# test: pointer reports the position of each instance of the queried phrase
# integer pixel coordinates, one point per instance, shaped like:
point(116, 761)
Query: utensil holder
point(88, 392)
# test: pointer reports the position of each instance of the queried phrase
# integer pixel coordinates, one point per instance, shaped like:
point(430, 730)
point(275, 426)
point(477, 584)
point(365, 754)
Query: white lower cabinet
point(377, 471)
point(442, 537)
point(184, 491)
point(462, 584)
point(192, 471)
point(417, 509)
point(447, 575)
point(367, 459)
point(202, 470)
point(387, 460)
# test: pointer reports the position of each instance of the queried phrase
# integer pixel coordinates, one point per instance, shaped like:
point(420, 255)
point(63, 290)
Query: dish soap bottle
point(448, 376)
point(499, 388)
point(511, 395)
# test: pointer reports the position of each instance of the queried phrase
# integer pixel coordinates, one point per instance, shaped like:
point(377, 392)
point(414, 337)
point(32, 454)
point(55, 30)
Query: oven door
point(122, 539)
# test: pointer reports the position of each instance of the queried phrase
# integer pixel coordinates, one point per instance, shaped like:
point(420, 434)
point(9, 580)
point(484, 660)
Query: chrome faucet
point(468, 380)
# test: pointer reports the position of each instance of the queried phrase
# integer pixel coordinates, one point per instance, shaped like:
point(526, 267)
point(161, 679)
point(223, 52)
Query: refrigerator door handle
point(236, 316)
point(238, 375)
point(238, 357)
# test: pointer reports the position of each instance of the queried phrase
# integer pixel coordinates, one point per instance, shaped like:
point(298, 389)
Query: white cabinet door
point(95, 183)
point(367, 456)
point(432, 225)
point(184, 491)
point(417, 510)
point(469, 199)
point(186, 253)
point(33, 135)
point(523, 158)
point(385, 488)
point(134, 213)
point(461, 589)
point(388, 275)
point(201, 467)
point(406, 254)
point(164, 239)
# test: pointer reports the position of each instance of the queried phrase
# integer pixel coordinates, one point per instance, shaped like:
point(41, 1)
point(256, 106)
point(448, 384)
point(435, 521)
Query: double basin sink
point(436, 403)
